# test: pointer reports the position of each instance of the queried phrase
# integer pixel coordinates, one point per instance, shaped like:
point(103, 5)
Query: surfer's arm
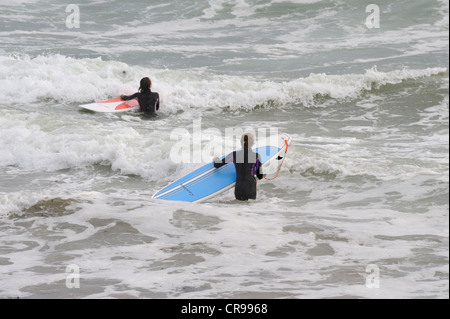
point(157, 103)
point(129, 97)
point(258, 171)
point(227, 159)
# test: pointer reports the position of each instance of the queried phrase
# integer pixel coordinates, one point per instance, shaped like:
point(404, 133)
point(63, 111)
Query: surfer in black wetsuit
point(247, 164)
point(148, 100)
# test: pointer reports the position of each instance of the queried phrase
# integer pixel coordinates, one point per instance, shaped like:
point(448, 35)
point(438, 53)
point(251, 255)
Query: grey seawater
point(359, 210)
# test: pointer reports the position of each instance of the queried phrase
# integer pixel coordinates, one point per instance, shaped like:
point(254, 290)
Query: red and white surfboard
point(114, 105)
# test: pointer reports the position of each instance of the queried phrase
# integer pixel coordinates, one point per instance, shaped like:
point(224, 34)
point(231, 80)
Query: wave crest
point(26, 80)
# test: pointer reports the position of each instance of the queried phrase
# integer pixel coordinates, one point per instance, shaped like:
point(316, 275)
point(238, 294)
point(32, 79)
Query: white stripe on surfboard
point(285, 137)
point(231, 185)
point(214, 171)
point(185, 184)
point(214, 194)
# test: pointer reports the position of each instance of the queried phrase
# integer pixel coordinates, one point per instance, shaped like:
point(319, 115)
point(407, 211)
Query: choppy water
point(363, 193)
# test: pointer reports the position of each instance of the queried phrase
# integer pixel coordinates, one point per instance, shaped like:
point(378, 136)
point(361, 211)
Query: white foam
point(25, 80)
point(35, 143)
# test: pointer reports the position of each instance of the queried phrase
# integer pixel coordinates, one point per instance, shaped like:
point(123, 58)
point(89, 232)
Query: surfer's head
point(146, 84)
point(247, 140)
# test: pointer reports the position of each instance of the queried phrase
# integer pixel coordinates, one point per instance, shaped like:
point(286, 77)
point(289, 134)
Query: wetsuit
point(148, 101)
point(247, 164)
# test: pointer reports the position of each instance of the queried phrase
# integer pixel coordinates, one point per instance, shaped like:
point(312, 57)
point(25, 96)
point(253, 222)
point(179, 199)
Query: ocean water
point(360, 208)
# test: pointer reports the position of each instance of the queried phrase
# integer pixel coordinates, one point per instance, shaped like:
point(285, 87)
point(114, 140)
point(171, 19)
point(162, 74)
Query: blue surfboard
point(208, 181)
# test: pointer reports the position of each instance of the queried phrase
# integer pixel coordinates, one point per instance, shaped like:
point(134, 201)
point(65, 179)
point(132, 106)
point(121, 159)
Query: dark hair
point(146, 83)
point(247, 140)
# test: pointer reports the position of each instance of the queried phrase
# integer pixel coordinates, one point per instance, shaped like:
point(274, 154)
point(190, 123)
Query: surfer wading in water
point(148, 100)
point(247, 164)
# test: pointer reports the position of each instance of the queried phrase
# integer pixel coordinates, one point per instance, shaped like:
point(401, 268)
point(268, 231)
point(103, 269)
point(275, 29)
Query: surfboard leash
point(284, 157)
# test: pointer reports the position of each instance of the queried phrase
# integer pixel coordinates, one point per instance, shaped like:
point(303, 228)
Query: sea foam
point(54, 79)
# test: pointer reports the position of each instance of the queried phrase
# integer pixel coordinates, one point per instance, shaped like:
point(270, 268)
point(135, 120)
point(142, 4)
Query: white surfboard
point(114, 105)
point(208, 181)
